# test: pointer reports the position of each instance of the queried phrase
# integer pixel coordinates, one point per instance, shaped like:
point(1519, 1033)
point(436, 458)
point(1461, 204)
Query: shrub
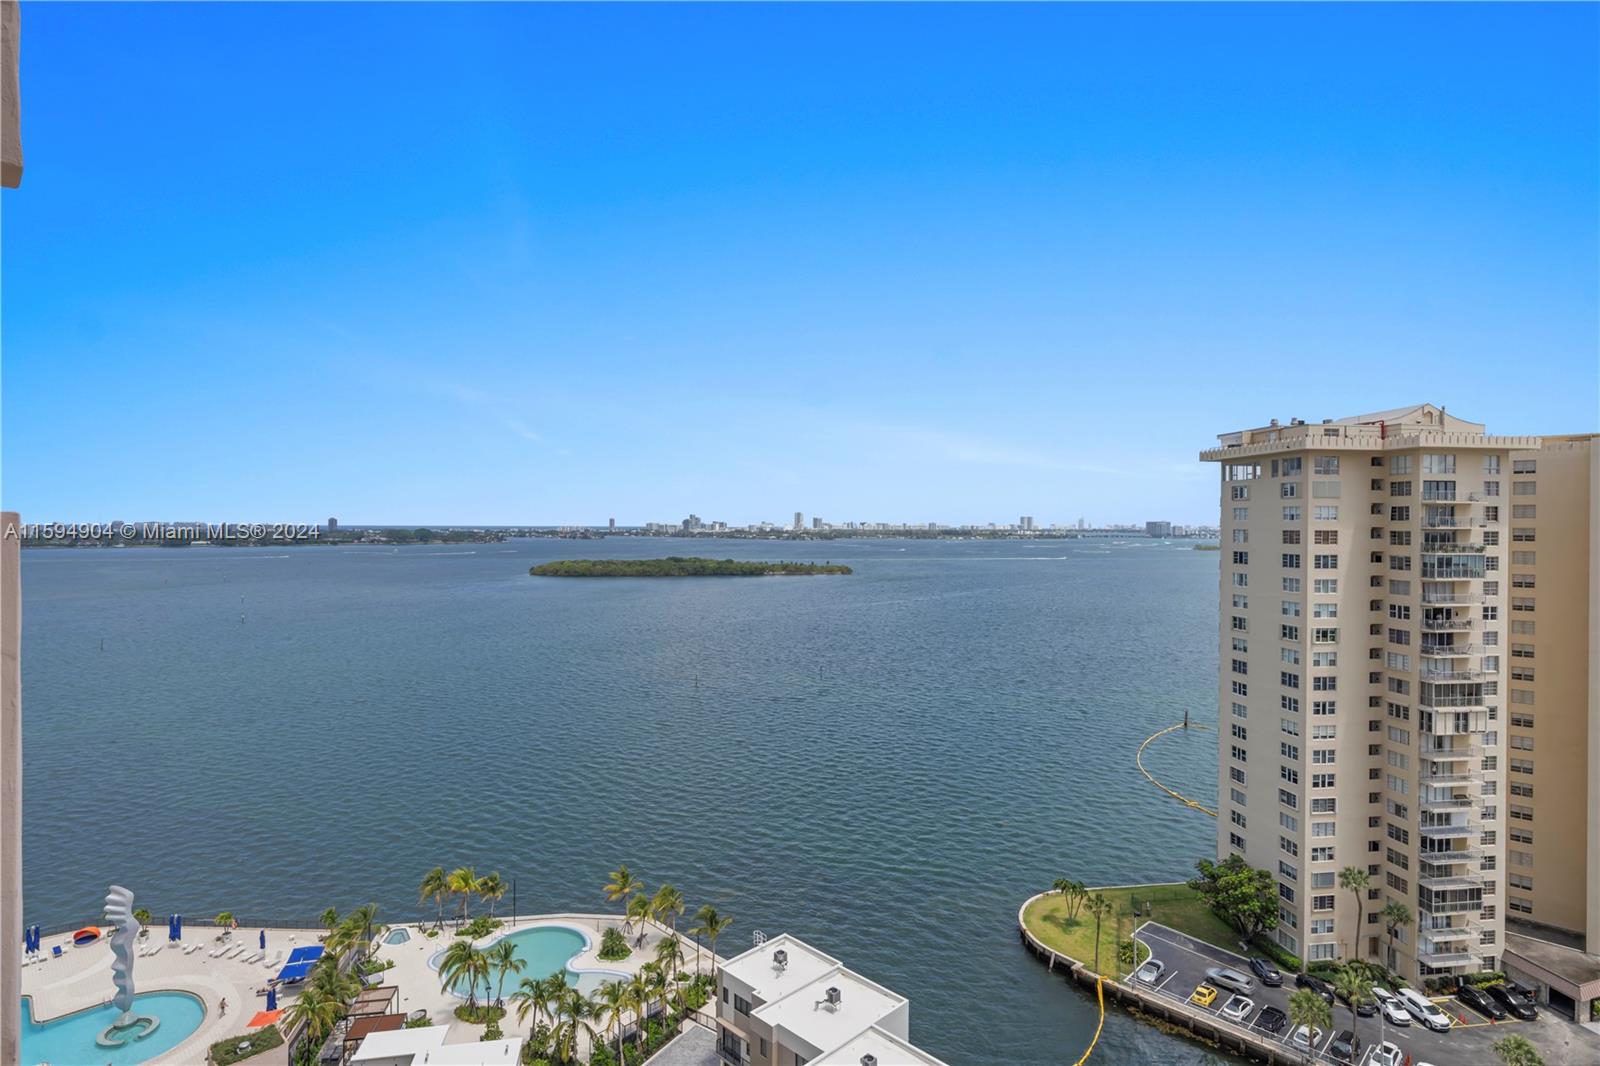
point(419, 1023)
point(613, 945)
point(480, 926)
point(480, 1013)
point(492, 1031)
point(1275, 951)
point(224, 1052)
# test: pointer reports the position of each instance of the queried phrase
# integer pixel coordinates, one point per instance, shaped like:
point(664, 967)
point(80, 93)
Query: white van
point(1424, 1010)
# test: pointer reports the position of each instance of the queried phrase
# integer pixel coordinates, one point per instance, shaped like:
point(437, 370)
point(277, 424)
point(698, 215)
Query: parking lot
point(1467, 1044)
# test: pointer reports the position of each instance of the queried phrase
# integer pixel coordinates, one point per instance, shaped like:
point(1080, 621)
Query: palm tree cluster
point(1074, 892)
point(663, 907)
point(328, 990)
point(464, 882)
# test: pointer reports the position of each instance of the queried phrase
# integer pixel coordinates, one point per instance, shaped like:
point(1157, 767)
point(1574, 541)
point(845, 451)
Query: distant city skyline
point(887, 263)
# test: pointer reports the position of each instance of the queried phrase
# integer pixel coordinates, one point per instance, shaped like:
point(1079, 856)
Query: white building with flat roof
point(784, 1003)
point(425, 1046)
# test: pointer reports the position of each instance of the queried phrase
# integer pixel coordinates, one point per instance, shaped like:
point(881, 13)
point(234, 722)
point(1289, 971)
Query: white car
point(1425, 1010)
point(1305, 1037)
point(1393, 1012)
point(1387, 1054)
point(1238, 1008)
point(1150, 972)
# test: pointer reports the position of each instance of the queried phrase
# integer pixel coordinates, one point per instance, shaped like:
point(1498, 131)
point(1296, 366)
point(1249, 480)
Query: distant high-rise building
point(1158, 529)
point(1026, 522)
point(612, 525)
point(816, 522)
point(799, 520)
point(333, 526)
point(1390, 584)
point(1083, 523)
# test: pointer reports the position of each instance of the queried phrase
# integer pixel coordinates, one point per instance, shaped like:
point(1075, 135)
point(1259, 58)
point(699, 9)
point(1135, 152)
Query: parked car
point(1480, 1001)
point(1204, 995)
point(1344, 1047)
point(1387, 1054)
point(1305, 1037)
point(1393, 1012)
point(1272, 1019)
point(1365, 1009)
point(1269, 974)
point(1150, 972)
point(1238, 1008)
point(1316, 984)
point(1425, 1010)
point(1517, 1004)
point(1231, 979)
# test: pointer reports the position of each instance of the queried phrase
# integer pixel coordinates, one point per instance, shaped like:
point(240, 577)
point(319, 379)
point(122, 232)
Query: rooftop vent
point(780, 958)
point(1297, 421)
point(1327, 421)
point(869, 1060)
point(1273, 423)
point(833, 997)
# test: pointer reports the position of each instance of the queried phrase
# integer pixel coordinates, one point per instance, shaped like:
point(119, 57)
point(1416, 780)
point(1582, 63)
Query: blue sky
point(542, 264)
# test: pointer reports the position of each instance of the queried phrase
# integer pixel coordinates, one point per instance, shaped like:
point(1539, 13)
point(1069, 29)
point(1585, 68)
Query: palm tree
point(1356, 880)
point(354, 928)
point(667, 904)
point(1098, 906)
point(639, 910)
point(435, 886)
point(224, 919)
point(463, 882)
point(316, 1012)
point(1307, 1007)
point(463, 962)
point(333, 984)
point(622, 886)
point(611, 1001)
point(640, 992)
point(655, 983)
point(537, 996)
point(669, 953)
point(1394, 915)
point(502, 959)
point(710, 925)
point(573, 1012)
point(1517, 1051)
point(1352, 986)
point(492, 887)
point(330, 918)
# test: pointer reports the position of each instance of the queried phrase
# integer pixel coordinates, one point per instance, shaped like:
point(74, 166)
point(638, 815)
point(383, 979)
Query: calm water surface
point(885, 764)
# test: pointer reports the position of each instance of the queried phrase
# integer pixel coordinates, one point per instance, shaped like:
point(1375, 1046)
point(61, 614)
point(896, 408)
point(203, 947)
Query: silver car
point(1150, 972)
point(1232, 980)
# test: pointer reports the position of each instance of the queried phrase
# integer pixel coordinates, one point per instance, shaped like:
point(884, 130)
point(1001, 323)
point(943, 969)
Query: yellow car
point(1204, 995)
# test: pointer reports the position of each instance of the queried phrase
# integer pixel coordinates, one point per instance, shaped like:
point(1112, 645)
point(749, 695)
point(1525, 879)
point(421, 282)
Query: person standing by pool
point(223, 1008)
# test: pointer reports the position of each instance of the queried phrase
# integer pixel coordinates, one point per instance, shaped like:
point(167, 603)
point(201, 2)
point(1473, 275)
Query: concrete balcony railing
point(1447, 775)
point(1451, 597)
point(1450, 522)
point(1447, 625)
point(1452, 549)
point(1444, 882)
point(1457, 831)
point(1451, 573)
point(1450, 651)
point(1441, 676)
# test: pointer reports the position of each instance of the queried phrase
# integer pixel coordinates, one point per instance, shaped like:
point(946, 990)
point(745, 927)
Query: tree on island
point(1242, 896)
point(1073, 892)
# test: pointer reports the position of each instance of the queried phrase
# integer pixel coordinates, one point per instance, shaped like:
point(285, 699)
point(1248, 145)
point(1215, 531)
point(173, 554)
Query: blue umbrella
point(177, 926)
point(38, 935)
point(263, 940)
point(272, 999)
point(172, 927)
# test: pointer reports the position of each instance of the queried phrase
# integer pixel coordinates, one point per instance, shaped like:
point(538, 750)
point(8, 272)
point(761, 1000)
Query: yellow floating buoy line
point(1138, 760)
point(1099, 994)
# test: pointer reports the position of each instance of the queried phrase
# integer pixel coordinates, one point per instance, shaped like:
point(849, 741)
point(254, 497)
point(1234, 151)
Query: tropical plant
point(613, 945)
point(1357, 881)
point(1244, 897)
point(353, 929)
point(1352, 985)
point(574, 1019)
point(622, 886)
point(1307, 1007)
point(669, 953)
point(463, 963)
point(1394, 915)
point(1517, 1051)
point(656, 984)
point(502, 959)
point(224, 919)
point(1098, 906)
point(435, 886)
point(709, 924)
point(493, 888)
point(143, 917)
point(639, 911)
point(666, 905)
point(1073, 892)
point(463, 882)
point(536, 996)
point(316, 1012)
point(611, 1002)
point(641, 991)
point(330, 918)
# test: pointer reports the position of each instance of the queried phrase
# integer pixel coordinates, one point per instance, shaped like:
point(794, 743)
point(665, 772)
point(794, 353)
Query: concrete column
point(10, 789)
point(10, 97)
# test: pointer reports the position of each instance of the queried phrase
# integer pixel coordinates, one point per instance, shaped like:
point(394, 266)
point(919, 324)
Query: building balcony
point(1448, 803)
point(1450, 522)
point(1448, 882)
point(1465, 747)
point(1449, 959)
point(1447, 625)
point(1448, 832)
point(1452, 703)
point(1450, 651)
point(1452, 548)
point(1451, 573)
point(1451, 597)
point(1471, 853)
point(1448, 774)
point(1437, 676)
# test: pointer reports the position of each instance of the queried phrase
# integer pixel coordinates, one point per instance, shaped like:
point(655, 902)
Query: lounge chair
point(157, 949)
point(275, 961)
point(191, 947)
point(239, 951)
point(220, 950)
point(254, 957)
point(55, 952)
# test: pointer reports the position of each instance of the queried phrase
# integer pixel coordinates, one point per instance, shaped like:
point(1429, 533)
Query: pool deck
point(420, 987)
point(82, 978)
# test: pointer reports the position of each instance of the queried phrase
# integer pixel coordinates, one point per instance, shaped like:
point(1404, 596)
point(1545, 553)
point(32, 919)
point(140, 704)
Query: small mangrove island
point(679, 566)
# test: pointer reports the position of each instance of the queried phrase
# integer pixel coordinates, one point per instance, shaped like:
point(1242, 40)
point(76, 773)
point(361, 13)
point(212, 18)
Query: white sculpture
point(119, 912)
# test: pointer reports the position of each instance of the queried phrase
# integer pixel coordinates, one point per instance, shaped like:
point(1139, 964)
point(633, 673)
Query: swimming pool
point(70, 1039)
point(397, 936)
point(544, 950)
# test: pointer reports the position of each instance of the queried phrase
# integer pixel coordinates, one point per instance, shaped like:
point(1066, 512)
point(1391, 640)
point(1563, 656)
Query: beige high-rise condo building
point(1410, 685)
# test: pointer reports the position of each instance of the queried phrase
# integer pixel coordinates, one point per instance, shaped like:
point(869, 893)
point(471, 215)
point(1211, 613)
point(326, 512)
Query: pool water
point(543, 951)
point(69, 1040)
point(397, 936)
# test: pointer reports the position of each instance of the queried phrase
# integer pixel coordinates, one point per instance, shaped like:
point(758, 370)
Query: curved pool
point(69, 1039)
point(544, 950)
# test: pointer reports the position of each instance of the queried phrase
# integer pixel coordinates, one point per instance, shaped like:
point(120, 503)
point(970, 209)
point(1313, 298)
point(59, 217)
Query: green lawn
point(1172, 905)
